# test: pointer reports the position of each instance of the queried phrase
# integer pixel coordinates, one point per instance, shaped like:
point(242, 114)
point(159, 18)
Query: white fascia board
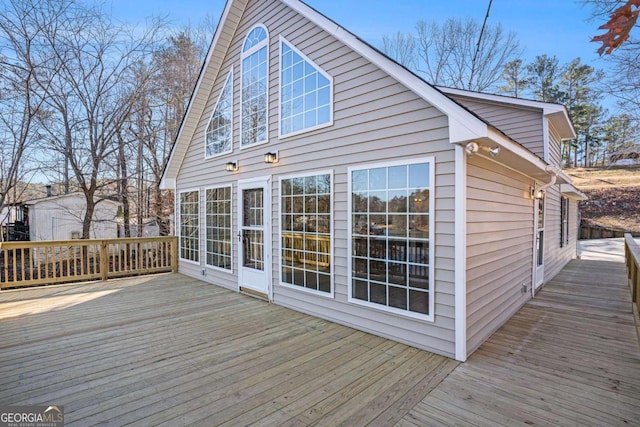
point(517, 149)
point(563, 178)
point(463, 125)
point(572, 192)
point(547, 107)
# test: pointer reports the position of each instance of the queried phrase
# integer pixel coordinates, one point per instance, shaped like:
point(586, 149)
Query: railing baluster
point(31, 263)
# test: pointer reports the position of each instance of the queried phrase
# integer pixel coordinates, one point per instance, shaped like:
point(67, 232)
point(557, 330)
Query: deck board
point(171, 350)
point(569, 357)
point(168, 349)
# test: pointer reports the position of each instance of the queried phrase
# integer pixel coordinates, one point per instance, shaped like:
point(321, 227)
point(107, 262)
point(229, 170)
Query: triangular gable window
point(306, 92)
point(218, 139)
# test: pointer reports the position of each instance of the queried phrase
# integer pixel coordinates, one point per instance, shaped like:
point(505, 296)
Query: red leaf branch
point(618, 27)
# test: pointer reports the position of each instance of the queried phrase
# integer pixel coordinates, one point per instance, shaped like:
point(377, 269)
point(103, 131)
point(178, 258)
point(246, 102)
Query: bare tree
point(91, 94)
point(401, 47)
point(21, 104)
point(454, 53)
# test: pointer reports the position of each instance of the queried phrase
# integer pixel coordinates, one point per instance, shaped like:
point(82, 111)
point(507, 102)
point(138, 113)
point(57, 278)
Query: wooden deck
point(570, 357)
point(170, 350)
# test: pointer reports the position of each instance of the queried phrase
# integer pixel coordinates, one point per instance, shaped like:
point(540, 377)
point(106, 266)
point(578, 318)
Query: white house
point(60, 218)
point(316, 173)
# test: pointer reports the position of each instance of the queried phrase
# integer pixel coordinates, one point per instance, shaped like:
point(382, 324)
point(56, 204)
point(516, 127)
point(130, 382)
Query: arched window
point(255, 78)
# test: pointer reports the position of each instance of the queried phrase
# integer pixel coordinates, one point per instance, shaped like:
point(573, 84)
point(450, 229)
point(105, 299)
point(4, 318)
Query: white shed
point(60, 218)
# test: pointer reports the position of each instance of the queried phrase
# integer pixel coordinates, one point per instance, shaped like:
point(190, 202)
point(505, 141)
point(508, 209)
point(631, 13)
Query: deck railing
point(632, 258)
point(63, 261)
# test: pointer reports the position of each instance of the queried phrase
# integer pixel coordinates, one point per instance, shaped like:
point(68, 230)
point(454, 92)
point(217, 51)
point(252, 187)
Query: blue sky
point(554, 27)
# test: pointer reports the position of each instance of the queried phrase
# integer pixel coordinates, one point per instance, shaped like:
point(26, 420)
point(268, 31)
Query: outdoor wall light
point(271, 157)
point(471, 148)
point(232, 166)
point(536, 193)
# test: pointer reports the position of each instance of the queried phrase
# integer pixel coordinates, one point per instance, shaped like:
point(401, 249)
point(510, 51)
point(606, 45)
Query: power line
point(475, 55)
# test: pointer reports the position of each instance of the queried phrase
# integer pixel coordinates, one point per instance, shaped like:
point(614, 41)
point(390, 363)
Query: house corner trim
point(460, 254)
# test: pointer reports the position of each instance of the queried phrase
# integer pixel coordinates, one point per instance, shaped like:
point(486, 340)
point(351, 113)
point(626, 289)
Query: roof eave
point(572, 192)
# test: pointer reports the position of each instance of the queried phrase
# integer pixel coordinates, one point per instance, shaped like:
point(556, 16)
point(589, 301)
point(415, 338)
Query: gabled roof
point(463, 125)
point(556, 113)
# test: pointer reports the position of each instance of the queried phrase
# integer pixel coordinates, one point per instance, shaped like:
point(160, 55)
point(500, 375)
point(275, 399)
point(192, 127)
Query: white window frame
point(243, 56)
point(229, 80)
point(431, 288)
point(206, 227)
point(179, 227)
point(564, 221)
point(331, 293)
point(319, 69)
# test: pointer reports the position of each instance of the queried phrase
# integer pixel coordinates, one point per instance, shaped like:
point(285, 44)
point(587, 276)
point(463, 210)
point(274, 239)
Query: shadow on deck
point(173, 350)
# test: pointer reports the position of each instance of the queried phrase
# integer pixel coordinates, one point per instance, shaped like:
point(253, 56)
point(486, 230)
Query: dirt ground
point(614, 197)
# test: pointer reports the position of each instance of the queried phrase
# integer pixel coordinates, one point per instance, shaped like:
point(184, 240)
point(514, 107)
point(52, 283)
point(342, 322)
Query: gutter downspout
point(554, 172)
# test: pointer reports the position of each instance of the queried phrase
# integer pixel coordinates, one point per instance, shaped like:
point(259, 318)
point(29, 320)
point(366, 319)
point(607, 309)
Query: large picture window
point(218, 223)
point(220, 126)
point(189, 226)
point(305, 207)
point(305, 92)
point(391, 237)
point(255, 70)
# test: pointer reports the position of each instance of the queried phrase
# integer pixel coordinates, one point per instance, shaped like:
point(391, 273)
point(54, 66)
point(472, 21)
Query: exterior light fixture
point(271, 157)
point(493, 152)
point(232, 166)
point(471, 148)
point(536, 192)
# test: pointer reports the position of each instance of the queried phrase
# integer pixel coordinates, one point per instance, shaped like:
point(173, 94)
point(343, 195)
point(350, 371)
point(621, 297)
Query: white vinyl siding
point(375, 119)
point(499, 246)
point(220, 130)
point(522, 124)
point(557, 256)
